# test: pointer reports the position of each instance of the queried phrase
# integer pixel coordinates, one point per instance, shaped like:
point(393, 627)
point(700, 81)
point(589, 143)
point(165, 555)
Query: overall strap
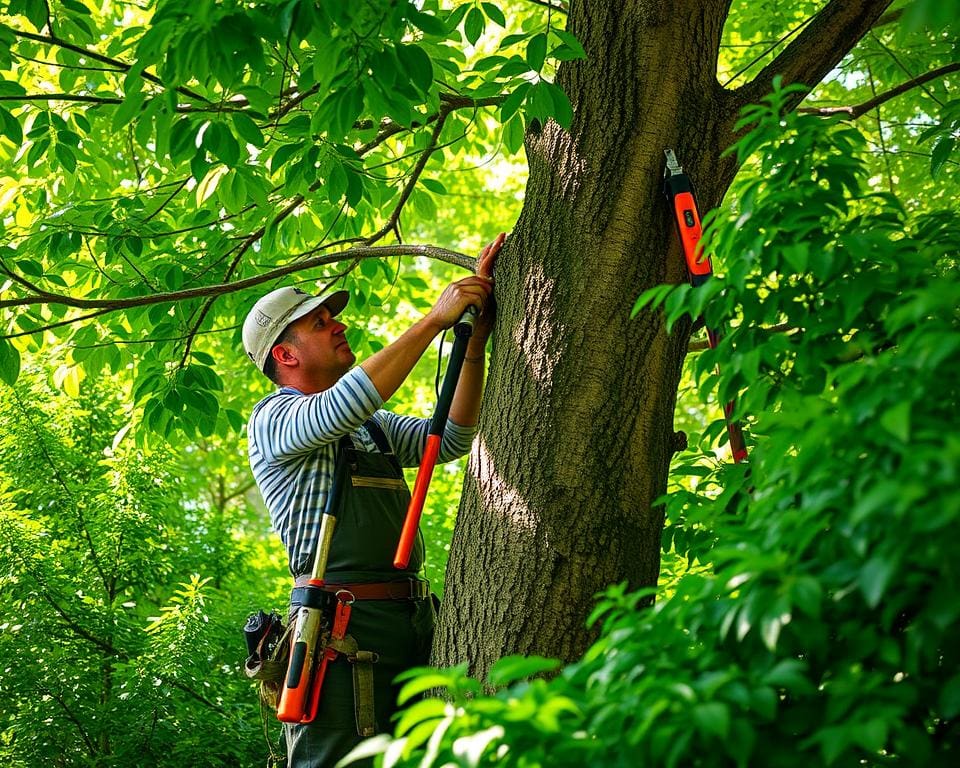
point(379, 438)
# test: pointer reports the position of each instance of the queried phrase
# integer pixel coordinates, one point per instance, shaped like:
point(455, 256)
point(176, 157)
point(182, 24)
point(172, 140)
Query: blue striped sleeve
point(408, 437)
point(288, 424)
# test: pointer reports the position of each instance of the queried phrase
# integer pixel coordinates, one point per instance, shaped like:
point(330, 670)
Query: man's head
point(276, 319)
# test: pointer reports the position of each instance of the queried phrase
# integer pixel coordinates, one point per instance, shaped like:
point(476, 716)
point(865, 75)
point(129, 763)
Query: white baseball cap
point(275, 311)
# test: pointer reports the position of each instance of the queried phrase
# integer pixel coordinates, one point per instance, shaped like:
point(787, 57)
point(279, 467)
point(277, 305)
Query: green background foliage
point(805, 612)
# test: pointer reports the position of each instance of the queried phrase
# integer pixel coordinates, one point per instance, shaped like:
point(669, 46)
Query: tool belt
point(270, 648)
point(405, 589)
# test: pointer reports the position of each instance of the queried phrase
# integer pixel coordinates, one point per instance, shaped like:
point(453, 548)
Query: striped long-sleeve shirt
point(292, 439)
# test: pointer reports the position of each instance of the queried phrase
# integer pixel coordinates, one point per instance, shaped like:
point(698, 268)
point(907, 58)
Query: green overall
point(371, 511)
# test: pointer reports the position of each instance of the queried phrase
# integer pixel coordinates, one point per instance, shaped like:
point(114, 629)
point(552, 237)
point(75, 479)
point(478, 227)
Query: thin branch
point(450, 101)
point(42, 444)
point(907, 71)
point(59, 324)
point(70, 716)
point(77, 67)
point(559, 6)
point(889, 17)
point(166, 202)
point(247, 244)
point(859, 110)
point(700, 345)
point(411, 182)
point(120, 65)
point(833, 31)
point(63, 97)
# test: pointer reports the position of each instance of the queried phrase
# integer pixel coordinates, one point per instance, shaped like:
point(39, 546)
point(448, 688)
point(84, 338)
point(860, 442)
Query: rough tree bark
point(576, 430)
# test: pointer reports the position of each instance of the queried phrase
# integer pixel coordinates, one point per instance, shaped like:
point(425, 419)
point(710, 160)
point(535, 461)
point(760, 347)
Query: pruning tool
point(679, 192)
point(310, 652)
point(462, 331)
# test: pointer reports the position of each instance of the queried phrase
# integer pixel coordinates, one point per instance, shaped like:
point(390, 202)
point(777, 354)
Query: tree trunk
point(576, 430)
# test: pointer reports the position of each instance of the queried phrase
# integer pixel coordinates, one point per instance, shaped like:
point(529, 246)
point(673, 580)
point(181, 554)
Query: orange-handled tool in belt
point(679, 191)
point(462, 331)
point(300, 694)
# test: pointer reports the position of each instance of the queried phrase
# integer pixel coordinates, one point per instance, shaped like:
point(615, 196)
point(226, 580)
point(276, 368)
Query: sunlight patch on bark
point(508, 499)
point(534, 335)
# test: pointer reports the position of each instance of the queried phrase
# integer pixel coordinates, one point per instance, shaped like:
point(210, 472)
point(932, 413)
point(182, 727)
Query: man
point(325, 409)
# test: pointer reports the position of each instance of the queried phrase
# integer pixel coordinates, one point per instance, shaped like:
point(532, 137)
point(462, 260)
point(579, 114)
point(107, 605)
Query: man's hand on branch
point(485, 264)
point(470, 291)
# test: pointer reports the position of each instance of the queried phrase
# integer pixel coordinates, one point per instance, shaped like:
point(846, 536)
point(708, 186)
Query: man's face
point(318, 342)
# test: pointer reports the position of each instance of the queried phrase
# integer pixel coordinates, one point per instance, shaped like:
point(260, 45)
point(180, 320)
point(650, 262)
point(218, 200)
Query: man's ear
point(283, 355)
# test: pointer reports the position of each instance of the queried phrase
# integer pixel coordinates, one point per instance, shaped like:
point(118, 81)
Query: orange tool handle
point(303, 646)
point(411, 523)
point(329, 654)
point(691, 230)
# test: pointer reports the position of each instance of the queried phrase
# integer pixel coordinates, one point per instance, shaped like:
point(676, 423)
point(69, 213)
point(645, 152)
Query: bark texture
point(576, 429)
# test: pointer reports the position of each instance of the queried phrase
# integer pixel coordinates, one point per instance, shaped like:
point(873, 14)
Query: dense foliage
point(823, 627)
point(114, 654)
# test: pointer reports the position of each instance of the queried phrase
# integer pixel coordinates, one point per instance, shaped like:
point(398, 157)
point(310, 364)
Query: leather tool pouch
point(268, 644)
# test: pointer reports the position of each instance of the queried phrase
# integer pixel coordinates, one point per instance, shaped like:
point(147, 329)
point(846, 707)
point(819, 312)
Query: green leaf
point(712, 718)
point(513, 134)
point(949, 701)
point(562, 111)
point(10, 127)
point(474, 25)
point(66, 157)
point(428, 23)
point(283, 154)
point(512, 103)
point(571, 42)
point(537, 51)
point(512, 668)
point(494, 14)
point(247, 129)
point(896, 420)
point(9, 362)
point(425, 681)
point(875, 577)
point(941, 154)
point(417, 64)
point(209, 183)
point(127, 109)
point(354, 188)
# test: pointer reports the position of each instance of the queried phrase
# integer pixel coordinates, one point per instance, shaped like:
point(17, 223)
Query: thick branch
point(857, 110)
point(816, 50)
point(429, 251)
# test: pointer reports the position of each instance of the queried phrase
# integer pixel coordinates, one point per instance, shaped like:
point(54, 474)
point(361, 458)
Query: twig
point(858, 110)
point(412, 181)
point(700, 345)
point(120, 65)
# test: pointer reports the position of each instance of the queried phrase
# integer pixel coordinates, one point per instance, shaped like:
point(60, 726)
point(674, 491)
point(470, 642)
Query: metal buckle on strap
point(419, 589)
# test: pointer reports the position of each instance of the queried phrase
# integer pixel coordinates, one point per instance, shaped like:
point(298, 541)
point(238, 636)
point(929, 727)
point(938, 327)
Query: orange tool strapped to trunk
point(679, 191)
point(462, 332)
